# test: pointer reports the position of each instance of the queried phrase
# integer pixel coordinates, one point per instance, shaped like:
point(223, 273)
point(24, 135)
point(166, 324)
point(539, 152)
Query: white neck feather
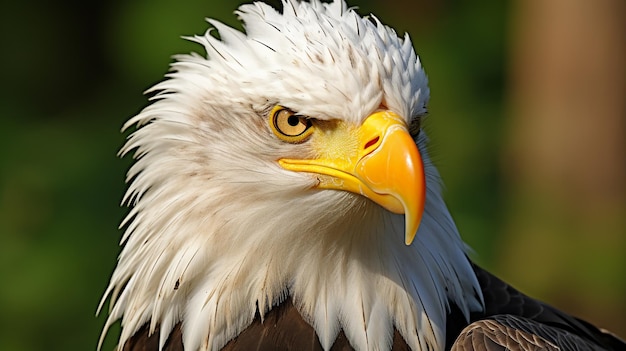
point(346, 270)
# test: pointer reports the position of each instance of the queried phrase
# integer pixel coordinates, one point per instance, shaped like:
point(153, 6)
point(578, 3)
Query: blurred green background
point(74, 71)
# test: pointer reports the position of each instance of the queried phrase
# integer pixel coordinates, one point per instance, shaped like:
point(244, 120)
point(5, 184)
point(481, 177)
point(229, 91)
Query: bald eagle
point(282, 198)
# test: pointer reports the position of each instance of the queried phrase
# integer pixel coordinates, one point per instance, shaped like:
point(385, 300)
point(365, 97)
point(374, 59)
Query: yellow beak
point(379, 161)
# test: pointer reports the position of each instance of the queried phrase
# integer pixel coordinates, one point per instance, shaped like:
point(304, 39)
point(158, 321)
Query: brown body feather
point(511, 321)
point(282, 329)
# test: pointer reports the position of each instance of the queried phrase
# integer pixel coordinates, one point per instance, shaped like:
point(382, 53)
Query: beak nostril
point(371, 142)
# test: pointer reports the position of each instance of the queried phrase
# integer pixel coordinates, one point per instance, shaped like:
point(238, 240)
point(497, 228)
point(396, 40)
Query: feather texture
point(510, 321)
point(221, 243)
point(215, 227)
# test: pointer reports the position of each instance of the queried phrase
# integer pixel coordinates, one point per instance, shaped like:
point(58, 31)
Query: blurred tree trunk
point(566, 161)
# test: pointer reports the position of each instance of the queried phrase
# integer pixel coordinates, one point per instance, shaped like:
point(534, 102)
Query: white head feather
point(217, 229)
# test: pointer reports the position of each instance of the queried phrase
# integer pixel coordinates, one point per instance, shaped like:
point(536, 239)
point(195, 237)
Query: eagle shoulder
point(514, 321)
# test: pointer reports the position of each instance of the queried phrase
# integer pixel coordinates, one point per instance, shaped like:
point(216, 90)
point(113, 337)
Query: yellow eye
point(289, 126)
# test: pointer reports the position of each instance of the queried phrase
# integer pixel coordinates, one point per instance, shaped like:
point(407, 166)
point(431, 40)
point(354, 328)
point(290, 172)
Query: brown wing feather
point(282, 329)
point(508, 332)
point(517, 322)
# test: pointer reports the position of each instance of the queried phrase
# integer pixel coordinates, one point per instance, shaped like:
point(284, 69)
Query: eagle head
point(289, 162)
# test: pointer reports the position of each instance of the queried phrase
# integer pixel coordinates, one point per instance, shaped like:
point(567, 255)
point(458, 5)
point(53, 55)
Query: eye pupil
point(293, 120)
point(289, 126)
